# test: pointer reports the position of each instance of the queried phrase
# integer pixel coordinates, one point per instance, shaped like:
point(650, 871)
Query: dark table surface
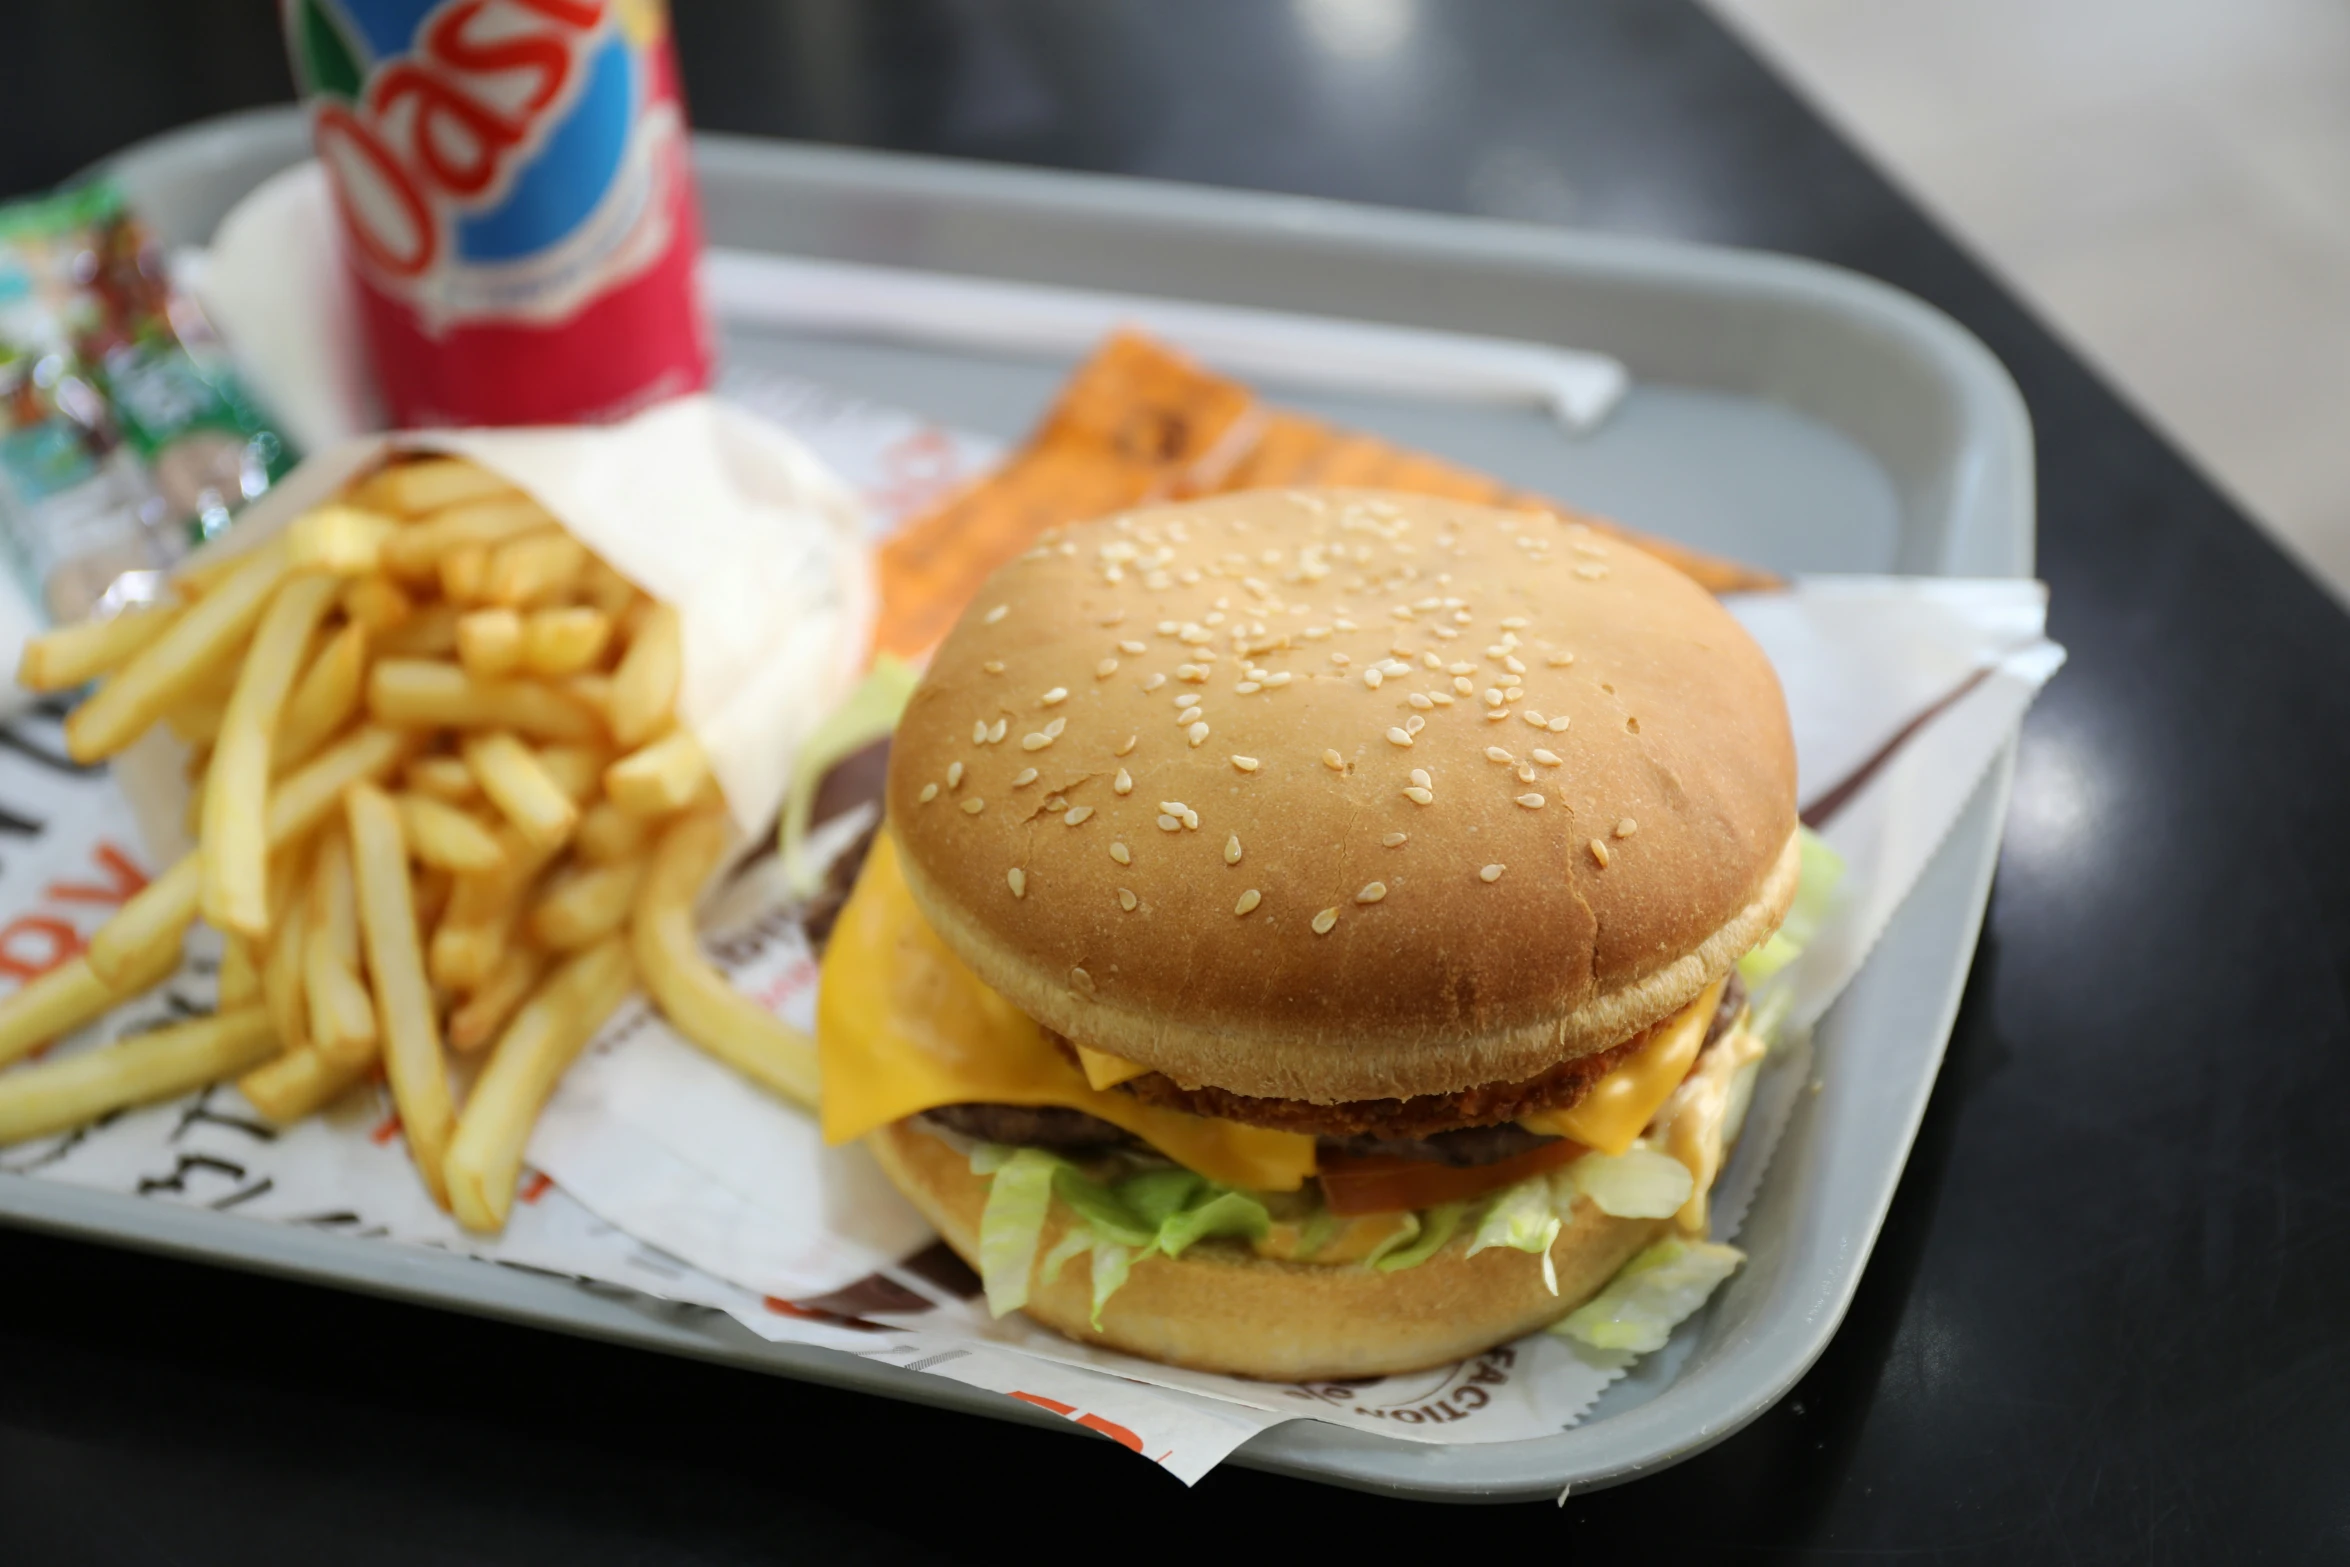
point(2107, 1320)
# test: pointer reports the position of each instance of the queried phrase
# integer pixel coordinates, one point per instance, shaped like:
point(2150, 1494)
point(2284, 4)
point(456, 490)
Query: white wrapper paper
point(660, 1171)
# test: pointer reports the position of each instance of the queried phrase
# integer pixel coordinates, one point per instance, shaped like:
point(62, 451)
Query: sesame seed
point(1525, 775)
point(1495, 715)
point(1340, 659)
point(1127, 747)
point(994, 666)
point(1420, 796)
point(1105, 669)
point(1420, 700)
point(1398, 737)
point(1627, 827)
point(1126, 898)
point(1393, 840)
point(1514, 664)
point(1166, 628)
point(1324, 920)
point(1187, 700)
point(1494, 753)
point(1024, 777)
point(1461, 668)
point(979, 732)
point(1191, 820)
point(1035, 742)
point(1432, 660)
point(1591, 571)
point(1401, 612)
point(1081, 981)
point(1420, 777)
point(1169, 823)
point(1546, 758)
point(1248, 688)
point(1372, 892)
point(996, 731)
point(1055, 697)
point(1599, 853)
point(1316, 633)
point(1514, 623)
point(928, 794)
point(1372, 677)
point(1558, 725)
point(1333, 761)
point(1464, 685)
point(1279, 680)
point(1232, 850)
point(1491, 873)
point(1123, 783)
point(1134, 649)
point(1344, 625)
point(1247, 764)
point(973, 806)
point(1248, 901)
point(1120, 853)
point(1536, 719)
point(1531, 801)
point(1493, 696)
point(1077, 815)
point(1559, 660)
point(1153, 682)
point(954, 775)
point(1196, 733)
point(997, 613)
point(1512, 693)
point(1414, 724)
point(1019, 881)
point(1441, 698)
point(1052, 731)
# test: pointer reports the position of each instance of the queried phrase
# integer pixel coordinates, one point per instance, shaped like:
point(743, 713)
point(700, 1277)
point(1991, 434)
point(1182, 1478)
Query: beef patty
point(1411, 1134)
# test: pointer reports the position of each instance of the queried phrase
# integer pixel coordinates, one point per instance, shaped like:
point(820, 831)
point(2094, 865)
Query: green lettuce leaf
point(987, 1158)
point(1101, 1208)
point(1653, 1294)
point(1226, 1213)
point(1525, 1218)
point(1111, 1264)
point(1011, 1227)
point(1436, 1226)
point(1158, 1195)
point(1823, 869)
point(1391, 1244)
point(1075, 1241)
point(870, 713)
point(1639, 1183)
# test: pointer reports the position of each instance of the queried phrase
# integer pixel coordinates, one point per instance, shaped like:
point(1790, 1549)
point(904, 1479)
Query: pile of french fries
point(442, 803)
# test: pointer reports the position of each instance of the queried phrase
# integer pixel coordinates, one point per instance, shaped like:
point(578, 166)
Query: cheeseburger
point(1304, 940)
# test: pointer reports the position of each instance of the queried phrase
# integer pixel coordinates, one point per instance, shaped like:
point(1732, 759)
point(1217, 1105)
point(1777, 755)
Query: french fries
point(550, 1029)
point(443, 802)
point(421, 693)
point(143, 690)
point(520, 785)
point(75, 655)
point(56, 1096)
point(69, 996)
point(404, 1012)
point(644, 687)
point(696, 997)
point(236, 786)
point(441, 835)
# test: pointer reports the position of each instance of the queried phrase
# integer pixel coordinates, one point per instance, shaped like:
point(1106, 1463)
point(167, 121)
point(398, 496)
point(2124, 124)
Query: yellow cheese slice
point(1103, 1070)
point(1620, 1105)
point(902, 1026)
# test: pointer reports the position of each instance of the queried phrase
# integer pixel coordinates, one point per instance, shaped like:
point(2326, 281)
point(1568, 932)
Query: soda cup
point(515, 199)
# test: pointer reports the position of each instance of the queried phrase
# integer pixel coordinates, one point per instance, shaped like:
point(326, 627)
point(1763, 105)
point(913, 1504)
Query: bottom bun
point(1217, 1308)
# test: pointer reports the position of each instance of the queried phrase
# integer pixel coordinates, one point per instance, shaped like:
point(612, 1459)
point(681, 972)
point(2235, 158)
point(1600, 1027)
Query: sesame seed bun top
point(1341, 794)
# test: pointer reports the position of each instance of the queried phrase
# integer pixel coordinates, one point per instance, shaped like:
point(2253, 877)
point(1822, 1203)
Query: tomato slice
point(1384, 1184)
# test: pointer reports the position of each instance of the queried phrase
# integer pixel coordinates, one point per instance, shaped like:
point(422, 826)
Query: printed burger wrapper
point(706, 1200)
point(725, 516)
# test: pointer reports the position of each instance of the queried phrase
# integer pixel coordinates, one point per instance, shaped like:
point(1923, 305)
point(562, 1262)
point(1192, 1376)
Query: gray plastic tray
point(1785, 412)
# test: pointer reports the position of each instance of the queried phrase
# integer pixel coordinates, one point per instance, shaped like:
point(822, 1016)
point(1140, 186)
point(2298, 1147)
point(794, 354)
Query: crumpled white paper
point(657, 1170)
